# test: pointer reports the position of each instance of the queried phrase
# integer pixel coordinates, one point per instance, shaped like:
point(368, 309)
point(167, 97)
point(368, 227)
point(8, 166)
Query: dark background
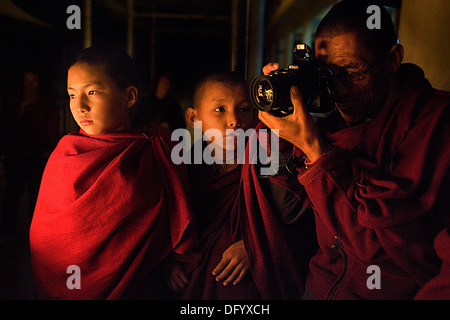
point(187, 48)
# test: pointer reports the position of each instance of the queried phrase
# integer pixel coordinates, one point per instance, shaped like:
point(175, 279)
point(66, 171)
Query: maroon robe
point(438, 288)
point(216, 203)
point(115, 206)
point(381, 195)
point(237, 205)
point(279, 252)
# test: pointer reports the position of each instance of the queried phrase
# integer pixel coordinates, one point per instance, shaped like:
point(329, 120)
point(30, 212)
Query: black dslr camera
point(272, 92)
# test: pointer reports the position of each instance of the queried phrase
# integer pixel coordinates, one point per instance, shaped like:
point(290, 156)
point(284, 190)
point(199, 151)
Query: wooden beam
point(87, 28)
point(130, 27)
point(158, 15)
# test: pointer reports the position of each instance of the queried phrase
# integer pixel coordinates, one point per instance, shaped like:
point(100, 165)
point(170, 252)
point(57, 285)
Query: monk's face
point(362, 82)
point(221, 107)
point(97, 104)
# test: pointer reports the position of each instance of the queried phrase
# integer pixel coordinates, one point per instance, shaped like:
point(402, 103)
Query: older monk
point(377, 167)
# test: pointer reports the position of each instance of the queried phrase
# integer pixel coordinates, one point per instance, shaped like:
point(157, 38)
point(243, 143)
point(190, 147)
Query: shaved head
point(351, 16)
point(227, 77)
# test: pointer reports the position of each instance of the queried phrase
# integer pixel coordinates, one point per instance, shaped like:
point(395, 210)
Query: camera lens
point(270, 92)
point(265, 92)
point(262, 93)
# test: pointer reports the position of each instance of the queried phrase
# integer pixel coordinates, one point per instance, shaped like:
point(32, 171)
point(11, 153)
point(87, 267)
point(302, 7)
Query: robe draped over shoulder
point(113, 205)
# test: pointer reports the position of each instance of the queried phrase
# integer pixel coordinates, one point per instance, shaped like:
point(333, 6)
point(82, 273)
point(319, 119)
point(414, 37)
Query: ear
point(191, 115)
point(395, 57)
point(132, 96)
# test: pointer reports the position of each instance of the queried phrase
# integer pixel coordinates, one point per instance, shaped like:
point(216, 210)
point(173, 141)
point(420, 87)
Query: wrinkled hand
point(234, 264)
point(175, 277)
point(299, 128)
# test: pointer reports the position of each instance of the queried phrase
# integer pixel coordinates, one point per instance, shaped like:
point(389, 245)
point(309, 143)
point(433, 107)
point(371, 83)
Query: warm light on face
point(225, 107)
point(359, 81)
point(96, 102)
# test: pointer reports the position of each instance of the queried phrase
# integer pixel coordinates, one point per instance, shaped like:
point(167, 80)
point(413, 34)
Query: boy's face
point(97, 104)
point(223, 106)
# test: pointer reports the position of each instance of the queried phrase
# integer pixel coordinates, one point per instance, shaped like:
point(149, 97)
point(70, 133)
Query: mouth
point(345, 99)
point(233, 141)
point(232, 135)
point(349, 103)
point(84, 121)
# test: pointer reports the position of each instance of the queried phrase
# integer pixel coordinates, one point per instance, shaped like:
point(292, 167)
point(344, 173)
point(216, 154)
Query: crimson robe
point(115, 206)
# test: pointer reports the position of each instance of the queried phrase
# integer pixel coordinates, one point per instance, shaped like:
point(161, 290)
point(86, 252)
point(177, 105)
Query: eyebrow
point(218, 100)
point(344, 66)
point(90, 84)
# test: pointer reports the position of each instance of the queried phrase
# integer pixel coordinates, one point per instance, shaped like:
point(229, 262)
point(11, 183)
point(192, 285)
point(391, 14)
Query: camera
point(271, 92)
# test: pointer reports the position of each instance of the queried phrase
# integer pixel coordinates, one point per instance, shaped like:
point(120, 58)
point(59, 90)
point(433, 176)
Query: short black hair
point(229, 77)
point(350, 16)
point(117, 64)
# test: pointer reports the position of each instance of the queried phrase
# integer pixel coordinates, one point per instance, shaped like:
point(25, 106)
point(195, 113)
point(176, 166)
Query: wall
point(425, 34)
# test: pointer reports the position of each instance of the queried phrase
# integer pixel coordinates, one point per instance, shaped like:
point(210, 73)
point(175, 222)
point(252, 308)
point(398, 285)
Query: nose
point(81, 105)
point(234, 120)
point(342, 88)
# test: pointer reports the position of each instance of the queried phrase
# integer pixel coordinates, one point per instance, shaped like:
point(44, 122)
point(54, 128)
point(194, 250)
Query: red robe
point(216, 204)
point(438, 288)
point(381, 196)
point(115, 206)
point(279, 252)
point(235, 206)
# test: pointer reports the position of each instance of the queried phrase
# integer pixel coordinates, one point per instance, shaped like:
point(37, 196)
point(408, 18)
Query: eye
point(71, 96)
point(91, 92)
point(219, 109)
point(348, 76)
point(353, 76)
point(245, 109)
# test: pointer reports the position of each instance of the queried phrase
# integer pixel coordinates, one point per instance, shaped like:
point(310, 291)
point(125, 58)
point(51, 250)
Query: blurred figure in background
point(160, 107)
point(30, 121)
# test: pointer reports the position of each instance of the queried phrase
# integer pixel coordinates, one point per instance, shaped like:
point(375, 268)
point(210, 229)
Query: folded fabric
point(113, 205)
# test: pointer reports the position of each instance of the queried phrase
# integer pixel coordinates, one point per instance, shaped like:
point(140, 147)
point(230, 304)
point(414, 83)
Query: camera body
point(271, 93)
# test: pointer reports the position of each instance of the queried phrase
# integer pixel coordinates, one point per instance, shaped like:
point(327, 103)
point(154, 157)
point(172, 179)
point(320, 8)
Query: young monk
point(111, 205)
point(226, 265)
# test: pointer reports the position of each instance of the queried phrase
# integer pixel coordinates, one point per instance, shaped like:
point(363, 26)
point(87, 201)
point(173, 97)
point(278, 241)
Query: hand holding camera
point(270, 92)
point(292, 119)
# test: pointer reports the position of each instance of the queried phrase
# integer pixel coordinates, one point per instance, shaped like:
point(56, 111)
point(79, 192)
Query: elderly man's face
point(360, 77)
